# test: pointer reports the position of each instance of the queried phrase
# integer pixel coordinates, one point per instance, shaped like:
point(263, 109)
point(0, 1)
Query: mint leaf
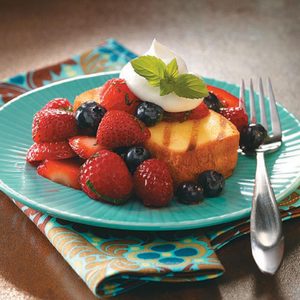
point(149, 67)
point(190, 86)
point(172, 68)
point(167, 77)
point(167, 86)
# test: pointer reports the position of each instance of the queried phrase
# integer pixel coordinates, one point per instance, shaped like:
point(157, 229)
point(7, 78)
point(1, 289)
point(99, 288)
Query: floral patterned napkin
point(111, 261)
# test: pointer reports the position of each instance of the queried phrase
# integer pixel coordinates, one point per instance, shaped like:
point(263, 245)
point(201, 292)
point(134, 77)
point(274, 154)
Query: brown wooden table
point(227, 40)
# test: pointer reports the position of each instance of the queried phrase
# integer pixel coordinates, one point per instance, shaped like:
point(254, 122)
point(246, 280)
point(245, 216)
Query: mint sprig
point(151, 67)
point(167, 77)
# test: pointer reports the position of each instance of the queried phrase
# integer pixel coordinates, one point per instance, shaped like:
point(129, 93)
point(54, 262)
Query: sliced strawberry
point(52, 125)
point(199, 112)
point(227, 99)
point(65, 171)
point(84, 146)
point(54, 150)
point(235, 115)
point(116, 95)
point(59, 103)
point(120, 129)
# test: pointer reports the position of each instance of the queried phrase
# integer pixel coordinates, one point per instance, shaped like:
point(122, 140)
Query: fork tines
point(275, 122)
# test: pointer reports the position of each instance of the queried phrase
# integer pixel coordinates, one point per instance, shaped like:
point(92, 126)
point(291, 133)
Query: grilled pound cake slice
point(194, 146)
point(89, 95)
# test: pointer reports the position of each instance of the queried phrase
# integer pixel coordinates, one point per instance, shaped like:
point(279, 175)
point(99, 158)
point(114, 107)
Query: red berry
point(105, 177)
point(84, 146)
point(51, 125)
point(120, 129)
point(64, 171)
point(59, 103)
point(115, 95)
point(199, 112)
point(53, 150)
point(227, 99)
point(236, 115)
point(153, 183)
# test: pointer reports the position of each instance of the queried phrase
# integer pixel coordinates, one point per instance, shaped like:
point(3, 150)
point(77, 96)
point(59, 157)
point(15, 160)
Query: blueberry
point(189, 193)
point(251, 137)
point(135, 156)
point(89, 115)
point(121, 151)
point(212, 102)
point(149, 113)
point(212, 183)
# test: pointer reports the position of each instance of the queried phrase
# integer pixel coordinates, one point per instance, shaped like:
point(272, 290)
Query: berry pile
point(100, 146)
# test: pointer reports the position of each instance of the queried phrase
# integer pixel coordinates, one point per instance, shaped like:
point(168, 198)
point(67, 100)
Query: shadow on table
point(29, 261)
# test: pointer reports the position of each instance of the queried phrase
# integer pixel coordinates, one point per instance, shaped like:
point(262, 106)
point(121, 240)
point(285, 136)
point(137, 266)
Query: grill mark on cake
point(223, 123)
point(194, 136)
point(167, 135)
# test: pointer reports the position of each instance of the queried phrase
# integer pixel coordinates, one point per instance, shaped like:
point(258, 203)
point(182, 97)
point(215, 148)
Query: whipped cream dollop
point(143, 90)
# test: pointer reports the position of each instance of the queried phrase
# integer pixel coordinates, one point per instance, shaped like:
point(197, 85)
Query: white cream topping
point(143, 90)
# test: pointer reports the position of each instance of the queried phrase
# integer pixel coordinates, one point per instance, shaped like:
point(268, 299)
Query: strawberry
point(54, 150)
point(236, 115)
point(84, 146)
point(227, 99)
point(199, 112)
point(59, 103)
point(105, 177)
point(51, 125)
point(153, 183)
point(120, 129)
point(65, 171)
point(116, 95)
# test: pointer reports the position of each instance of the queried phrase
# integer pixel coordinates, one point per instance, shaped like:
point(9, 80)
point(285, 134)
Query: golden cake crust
point(218, 153)
point(90, 95)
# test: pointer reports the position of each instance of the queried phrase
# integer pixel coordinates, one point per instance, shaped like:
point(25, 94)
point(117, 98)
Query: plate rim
point(129, 225)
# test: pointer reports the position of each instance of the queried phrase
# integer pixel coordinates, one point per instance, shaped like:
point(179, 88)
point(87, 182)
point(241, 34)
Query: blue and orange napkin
point(110, 261)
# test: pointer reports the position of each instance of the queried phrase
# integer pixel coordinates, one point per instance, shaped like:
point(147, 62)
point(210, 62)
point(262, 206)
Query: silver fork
point(267, 241)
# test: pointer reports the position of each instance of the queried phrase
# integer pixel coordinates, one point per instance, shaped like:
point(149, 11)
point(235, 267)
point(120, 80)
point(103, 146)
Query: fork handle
point(265, 222)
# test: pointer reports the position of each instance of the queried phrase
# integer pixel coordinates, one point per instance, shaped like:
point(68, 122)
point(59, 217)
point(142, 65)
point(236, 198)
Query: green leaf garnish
point(172, 68)
point(149, 67)
point(190, 86)
point(167, 86)
point(167, 77)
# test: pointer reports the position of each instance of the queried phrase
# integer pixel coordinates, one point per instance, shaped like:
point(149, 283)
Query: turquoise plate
point(19, 179)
